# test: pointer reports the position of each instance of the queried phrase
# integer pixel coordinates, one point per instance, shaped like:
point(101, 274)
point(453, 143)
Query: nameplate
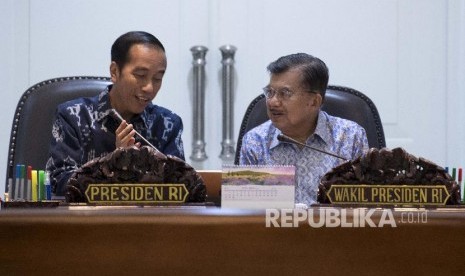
point(396, 195)
point(257, 187)
point(136, 193)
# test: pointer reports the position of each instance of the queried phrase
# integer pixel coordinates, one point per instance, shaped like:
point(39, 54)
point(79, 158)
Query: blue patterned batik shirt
point(84, 130)
point(344, 138)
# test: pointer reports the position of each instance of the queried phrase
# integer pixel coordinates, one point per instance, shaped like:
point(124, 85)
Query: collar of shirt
point(104, 108)
point(321, 131)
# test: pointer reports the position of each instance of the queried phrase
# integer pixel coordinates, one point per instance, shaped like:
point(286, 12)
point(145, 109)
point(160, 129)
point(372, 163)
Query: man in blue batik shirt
point(294, 97)
point(84, 129)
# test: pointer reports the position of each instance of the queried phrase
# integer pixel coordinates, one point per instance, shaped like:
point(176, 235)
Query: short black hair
point(121, 46)
point(315, 74)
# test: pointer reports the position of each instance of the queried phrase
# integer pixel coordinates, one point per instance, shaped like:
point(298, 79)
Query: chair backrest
point(32, 124)
point(339, 101)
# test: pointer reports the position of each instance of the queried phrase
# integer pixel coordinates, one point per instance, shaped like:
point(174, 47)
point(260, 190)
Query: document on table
point(258, 187)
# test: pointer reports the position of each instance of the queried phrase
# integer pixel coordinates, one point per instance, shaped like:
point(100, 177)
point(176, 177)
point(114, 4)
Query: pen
point(118, 117)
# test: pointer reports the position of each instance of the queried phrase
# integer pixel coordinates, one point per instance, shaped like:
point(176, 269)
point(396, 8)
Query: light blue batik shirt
point(260, 146)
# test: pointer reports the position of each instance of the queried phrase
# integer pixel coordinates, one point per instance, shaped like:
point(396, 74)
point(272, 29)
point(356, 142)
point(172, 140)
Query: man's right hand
point(125, 135)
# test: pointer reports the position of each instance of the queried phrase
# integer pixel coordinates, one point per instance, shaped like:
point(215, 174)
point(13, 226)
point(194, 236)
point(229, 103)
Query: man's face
point(138, 82)
point(292, 109)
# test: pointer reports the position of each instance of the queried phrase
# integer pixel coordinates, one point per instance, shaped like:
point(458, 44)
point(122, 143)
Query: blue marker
point(48, 188)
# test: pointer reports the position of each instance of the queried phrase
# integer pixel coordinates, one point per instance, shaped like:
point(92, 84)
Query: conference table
point(209, 240)
point(206, 239)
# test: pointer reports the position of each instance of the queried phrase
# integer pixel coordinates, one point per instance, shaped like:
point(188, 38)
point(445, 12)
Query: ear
point(320, 99)
point(317, 101)
point(114, 71)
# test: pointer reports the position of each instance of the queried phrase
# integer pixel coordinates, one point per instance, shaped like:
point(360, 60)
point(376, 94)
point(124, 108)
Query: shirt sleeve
point(248, 151)
point(174, 145)
point(360, 143)
point(64, 155)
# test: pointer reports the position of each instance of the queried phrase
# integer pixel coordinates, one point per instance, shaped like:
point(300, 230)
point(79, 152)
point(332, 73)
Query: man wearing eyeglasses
point(294, 97)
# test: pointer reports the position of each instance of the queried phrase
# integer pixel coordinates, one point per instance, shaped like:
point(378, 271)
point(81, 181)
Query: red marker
point(29, 183)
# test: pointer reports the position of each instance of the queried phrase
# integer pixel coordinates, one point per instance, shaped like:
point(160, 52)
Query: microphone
point(289, 140)
point(113, 113)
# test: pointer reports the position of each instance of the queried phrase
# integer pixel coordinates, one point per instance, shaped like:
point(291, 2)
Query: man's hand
point(125, 135)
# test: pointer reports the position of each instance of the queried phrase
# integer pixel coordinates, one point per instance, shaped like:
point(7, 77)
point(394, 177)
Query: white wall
point(407, 56)
point(455, 88)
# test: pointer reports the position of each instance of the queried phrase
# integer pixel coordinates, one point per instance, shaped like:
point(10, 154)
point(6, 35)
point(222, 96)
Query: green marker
point(41, 185)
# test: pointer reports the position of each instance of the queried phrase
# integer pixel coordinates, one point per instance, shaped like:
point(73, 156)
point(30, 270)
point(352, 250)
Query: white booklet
point(258, 187)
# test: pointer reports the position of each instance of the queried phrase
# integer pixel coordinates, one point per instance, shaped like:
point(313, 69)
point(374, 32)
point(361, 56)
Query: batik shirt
point(344, 138)
point(84, 130)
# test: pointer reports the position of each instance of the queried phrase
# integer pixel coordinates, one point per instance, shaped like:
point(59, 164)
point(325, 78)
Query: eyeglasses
point(282, 94)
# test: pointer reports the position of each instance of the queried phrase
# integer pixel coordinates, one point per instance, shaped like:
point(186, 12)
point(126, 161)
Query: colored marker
point(17, 182)
point(10, 185)
point(23, 182)
point(35, 187)
point(29, 183)
point(446, 169)
point(48, 189)
point(461, 185)
point(453, 173)
point(41, 185)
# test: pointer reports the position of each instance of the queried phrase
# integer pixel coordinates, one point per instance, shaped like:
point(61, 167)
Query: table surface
point(209, 240)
